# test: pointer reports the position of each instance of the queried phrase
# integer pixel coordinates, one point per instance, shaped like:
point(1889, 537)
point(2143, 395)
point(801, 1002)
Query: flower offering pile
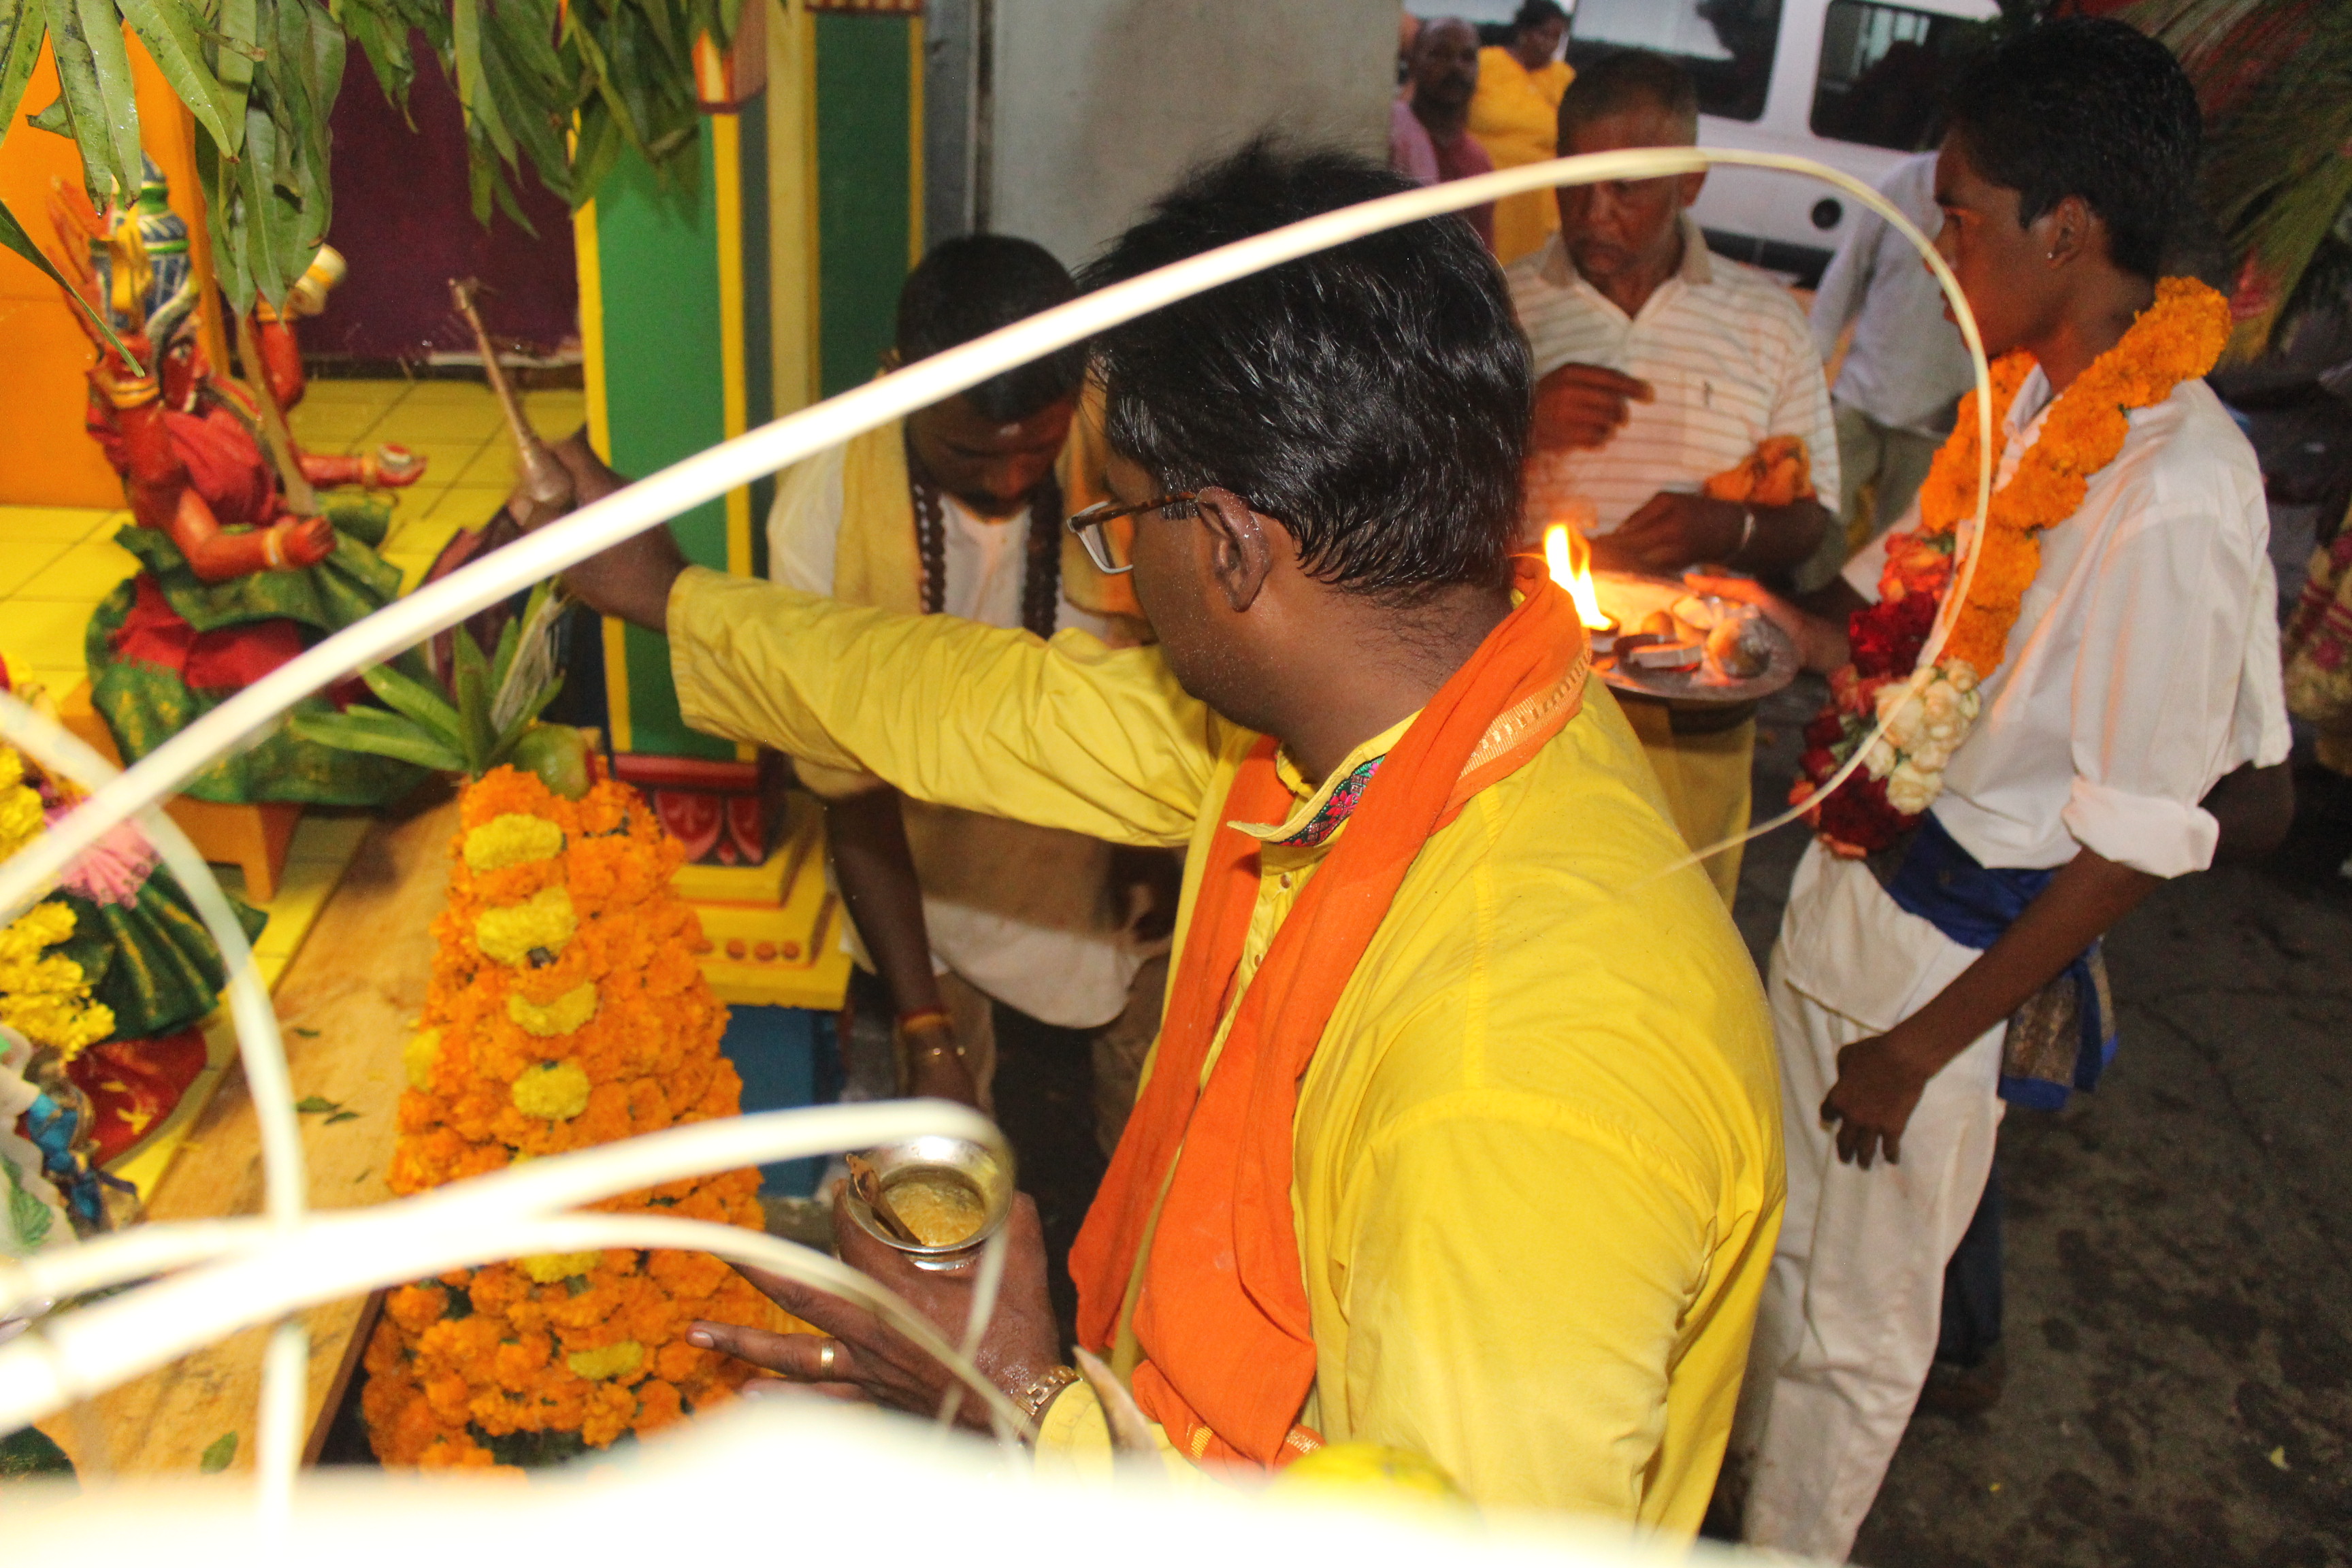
point(566, 1010)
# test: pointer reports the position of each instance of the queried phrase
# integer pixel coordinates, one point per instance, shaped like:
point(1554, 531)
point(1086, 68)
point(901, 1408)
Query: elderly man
point(1429, 124)
point(1661, 366)
point(1441, 1147)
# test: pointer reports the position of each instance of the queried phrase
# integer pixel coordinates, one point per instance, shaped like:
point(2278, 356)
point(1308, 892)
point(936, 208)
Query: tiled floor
point(56, 563)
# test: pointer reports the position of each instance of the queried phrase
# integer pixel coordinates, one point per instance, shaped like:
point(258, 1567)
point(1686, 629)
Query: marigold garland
point(2178, 337)
point(570, 1347)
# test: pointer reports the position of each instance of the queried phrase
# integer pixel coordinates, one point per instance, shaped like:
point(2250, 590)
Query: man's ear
point(2069, 230)
point(1239, 554)
point(1691, 186)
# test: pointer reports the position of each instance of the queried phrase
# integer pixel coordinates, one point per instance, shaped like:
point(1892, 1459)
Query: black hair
point(1625, 78)
point(973, 285)
point(2086, 108)
point(1535, 13)
point(1373, 398)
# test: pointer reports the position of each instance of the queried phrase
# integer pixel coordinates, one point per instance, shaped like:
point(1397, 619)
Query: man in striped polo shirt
point(1659, 366)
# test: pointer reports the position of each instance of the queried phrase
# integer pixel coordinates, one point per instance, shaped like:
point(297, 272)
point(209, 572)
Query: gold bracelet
point(1033, 1396)
point(131, 391)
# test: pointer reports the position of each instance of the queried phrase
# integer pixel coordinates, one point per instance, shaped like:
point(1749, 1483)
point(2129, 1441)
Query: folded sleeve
point(1516, 1284)
point(1064, 734)
point(2167, 632)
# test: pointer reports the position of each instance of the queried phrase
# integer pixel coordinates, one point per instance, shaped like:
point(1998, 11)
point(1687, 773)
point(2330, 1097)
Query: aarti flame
point(1570, 560)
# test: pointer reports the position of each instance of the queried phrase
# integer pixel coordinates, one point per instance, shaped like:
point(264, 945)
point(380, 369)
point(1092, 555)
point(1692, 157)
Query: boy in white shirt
point(1910, 989)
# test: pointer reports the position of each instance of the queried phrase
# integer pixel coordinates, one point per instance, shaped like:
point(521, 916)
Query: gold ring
point(825, 1355)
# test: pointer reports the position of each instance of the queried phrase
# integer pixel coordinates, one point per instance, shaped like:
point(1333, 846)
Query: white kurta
point(1024, 913)
point(2143, 667)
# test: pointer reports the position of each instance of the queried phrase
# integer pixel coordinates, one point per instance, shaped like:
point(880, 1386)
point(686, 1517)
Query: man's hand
point(1822, 645)
point(1670, 531)
point(875, 1361)
point(633, 579)
point(1878, 1087)
point(1580, 406)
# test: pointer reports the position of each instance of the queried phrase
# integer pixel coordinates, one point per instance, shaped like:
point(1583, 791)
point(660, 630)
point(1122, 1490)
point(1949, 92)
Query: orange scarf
point(1223, 1313)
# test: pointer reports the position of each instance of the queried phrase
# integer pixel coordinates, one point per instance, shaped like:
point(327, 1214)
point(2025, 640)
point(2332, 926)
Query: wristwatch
point(1034, 1396)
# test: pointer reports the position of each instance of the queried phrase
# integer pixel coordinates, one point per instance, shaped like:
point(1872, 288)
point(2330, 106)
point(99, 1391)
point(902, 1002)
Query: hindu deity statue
point(244, 562)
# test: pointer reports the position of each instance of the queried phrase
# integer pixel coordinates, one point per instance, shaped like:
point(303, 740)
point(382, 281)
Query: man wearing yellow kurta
point(1475, 1156)
point(1514, 115)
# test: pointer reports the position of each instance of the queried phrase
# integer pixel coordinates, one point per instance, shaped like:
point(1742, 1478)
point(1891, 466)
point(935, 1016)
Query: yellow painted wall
point(45, 458)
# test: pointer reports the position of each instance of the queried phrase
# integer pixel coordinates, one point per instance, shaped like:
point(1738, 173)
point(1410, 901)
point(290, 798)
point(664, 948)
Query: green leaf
point(380, 734)
point(342, 1115)
point(474, 701)
point(510, 640)
point(22, 26)
point(30, 1219)
point(430, 709)
point(218, 1454)
point(523, 722)
point(305, 1034)
point(315, 1104)
point(56, 119)
point(13, 236)
point(166, 28)
point(81, 99)
point(118, 94)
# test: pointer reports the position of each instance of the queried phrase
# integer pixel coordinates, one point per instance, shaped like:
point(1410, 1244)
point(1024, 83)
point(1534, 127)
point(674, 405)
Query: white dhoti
point(1847, 1326)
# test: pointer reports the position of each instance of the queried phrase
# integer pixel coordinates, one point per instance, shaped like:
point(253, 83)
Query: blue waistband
point(1973, 904)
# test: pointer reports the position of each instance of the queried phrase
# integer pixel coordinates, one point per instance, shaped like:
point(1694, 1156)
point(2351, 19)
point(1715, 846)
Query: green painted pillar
point(763, 277)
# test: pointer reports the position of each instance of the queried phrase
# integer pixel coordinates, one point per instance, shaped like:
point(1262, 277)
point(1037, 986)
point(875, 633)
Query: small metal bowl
point(987, 1166)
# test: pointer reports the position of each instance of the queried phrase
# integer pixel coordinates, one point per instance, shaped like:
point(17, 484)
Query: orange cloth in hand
point(1780, 472)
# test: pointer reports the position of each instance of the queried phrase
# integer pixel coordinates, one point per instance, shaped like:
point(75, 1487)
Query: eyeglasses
point(1104, 548)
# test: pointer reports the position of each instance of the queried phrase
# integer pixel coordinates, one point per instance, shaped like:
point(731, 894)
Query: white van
point(1855, 84)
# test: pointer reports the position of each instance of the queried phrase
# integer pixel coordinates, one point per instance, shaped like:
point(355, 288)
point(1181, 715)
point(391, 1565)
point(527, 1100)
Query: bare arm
point(866, 836)
point(2255, 808)
point(1880, 1080)
point(1672, 531)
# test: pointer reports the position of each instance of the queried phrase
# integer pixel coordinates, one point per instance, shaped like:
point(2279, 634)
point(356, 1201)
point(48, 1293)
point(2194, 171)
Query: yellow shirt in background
point(1538, 1167)
point(1514, 115)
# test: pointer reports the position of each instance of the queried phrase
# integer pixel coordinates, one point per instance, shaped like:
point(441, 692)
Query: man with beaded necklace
point(2116, 659)
point(957, 509)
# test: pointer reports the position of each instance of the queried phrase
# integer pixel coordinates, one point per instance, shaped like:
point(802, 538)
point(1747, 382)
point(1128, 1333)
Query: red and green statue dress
point(234, 581)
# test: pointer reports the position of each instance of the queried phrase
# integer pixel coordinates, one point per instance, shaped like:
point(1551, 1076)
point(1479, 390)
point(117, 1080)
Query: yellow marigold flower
point(556, 1091)
point(20, 806)
point(510, 840)
point(45, 997)
point(547, 1267)
point(417, 1056)
point(544, 920)
point(613, 1361)
point(560, 1017)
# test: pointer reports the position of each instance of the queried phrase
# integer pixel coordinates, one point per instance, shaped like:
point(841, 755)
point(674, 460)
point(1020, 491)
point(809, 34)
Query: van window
point(1884, 70)
point(1726, 44)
